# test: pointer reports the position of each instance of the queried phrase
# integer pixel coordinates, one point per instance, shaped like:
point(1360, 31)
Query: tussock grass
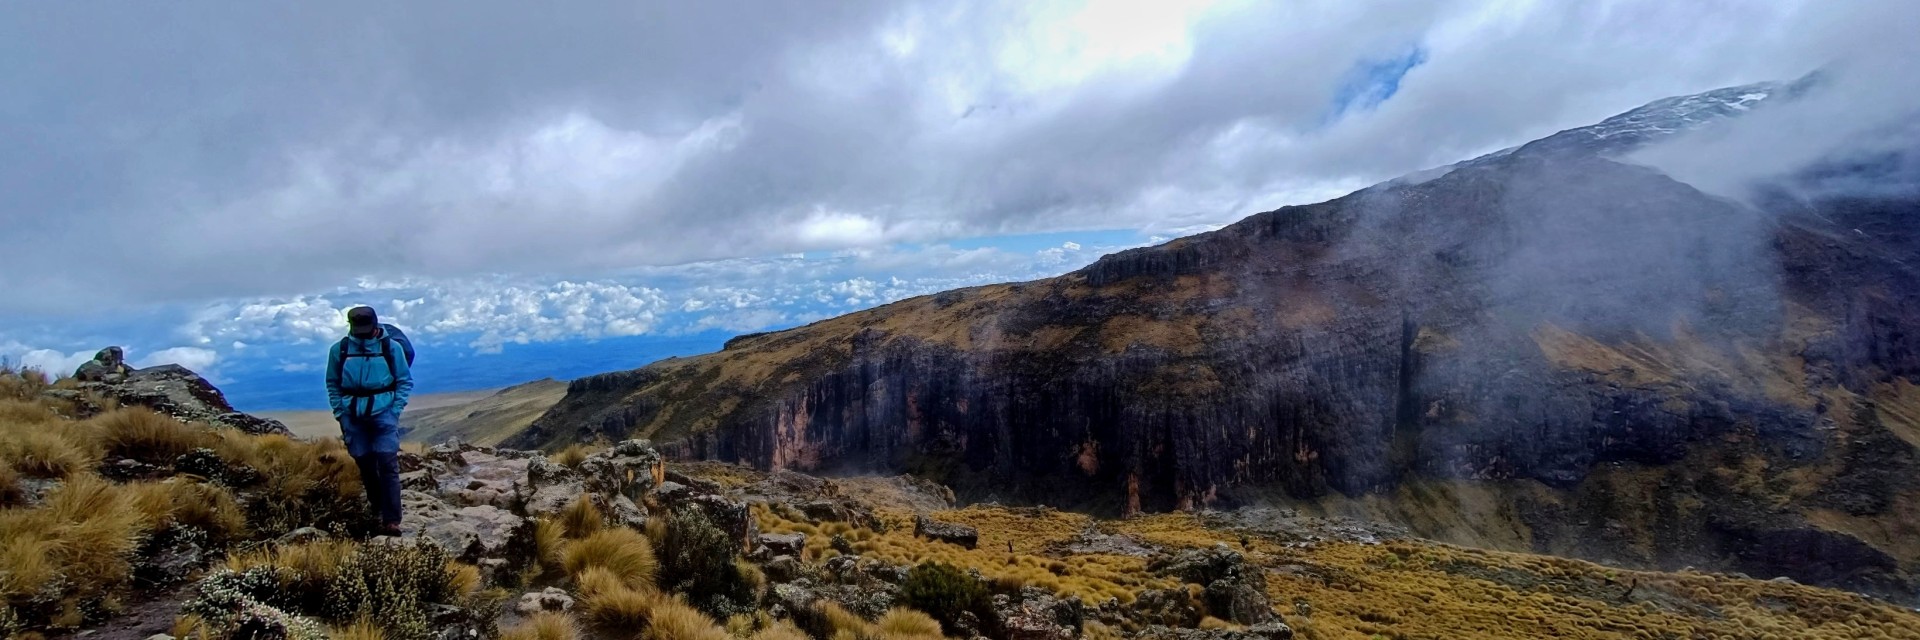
point(674, 619)
point(14, 411)
point(549, 539)
point(623, 552)
point(614, 607)
point(62, 562)
point(574, 454)
point(362, 629)
point(40, 451)
point(906, 623)
point(545, 625)
point(142, 434)
point(11, 495)
point(580, 519)
point(781, 630)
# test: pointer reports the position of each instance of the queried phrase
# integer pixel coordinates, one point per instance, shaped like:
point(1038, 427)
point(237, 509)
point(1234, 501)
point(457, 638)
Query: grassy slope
point(1333, 589)
point(480, 417)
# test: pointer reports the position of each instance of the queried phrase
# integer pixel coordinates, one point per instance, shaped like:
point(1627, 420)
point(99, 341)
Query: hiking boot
point(390, 529)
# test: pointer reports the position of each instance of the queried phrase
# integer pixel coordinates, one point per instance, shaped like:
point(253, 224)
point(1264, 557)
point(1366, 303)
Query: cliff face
point(1547, 351)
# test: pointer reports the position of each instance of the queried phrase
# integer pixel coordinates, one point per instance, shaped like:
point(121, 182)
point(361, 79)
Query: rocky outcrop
point(172, 390)
point(948, 532)
point(1232, 589)
point(108, 366)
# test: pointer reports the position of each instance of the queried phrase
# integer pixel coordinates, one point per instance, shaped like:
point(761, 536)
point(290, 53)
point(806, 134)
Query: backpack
point(389, 335)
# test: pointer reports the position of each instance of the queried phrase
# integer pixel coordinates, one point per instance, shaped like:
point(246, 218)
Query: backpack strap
point(386, 349)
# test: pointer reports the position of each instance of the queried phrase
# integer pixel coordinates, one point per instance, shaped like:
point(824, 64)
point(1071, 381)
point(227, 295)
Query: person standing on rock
point(369, 376)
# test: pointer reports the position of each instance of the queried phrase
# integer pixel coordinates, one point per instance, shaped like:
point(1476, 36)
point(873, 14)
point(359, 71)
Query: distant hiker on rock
point(369, 376)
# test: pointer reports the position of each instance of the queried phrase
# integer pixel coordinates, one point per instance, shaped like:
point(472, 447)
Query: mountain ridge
point(1616, 364)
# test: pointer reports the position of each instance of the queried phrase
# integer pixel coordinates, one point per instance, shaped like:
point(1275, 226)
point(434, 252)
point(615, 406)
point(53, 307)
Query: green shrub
point(696, 558)
point(393, 586)
point(945, 592)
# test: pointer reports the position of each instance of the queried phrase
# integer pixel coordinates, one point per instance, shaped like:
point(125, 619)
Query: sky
point(541, 191)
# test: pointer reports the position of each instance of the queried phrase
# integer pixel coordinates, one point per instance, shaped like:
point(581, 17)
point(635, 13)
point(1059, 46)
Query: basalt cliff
point(1546, 349)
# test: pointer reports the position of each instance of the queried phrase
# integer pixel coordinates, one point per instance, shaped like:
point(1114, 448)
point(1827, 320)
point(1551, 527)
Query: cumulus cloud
point(484, 314)
point(203, 151)
point(196, 358)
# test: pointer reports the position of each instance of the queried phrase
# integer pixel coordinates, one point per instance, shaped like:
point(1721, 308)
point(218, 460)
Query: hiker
point(369, 376)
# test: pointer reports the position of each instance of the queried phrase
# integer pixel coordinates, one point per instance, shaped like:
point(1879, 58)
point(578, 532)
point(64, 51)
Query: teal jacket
point(358, 381)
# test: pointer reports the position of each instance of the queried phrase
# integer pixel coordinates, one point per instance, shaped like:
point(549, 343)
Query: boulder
point(1038, 615)
point(108, 365)
point(785, 569)
point(179, 392)
point(551, 486)
point(947, 532)
point(1168, 607)
point(783, 544)
point(1235, 591)
point(421, 480)
point(302, 535)
point(549, 599)
point(629, 469)
point(469, 533)
point(484, 479)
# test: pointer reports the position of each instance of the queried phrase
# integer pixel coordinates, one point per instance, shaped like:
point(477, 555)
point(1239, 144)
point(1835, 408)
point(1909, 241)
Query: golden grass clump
point(549, 539)
point(901, 622)
point(11, 495)
point(581, 519)
point(308, 567)
point(22, 412)
point(545, 625)
point(142, 434)
point(574, 454)
point(47, 452)
point(74, 552)
point(781, 630)
point(621, 551)
point(611, 606)
point(672, 619)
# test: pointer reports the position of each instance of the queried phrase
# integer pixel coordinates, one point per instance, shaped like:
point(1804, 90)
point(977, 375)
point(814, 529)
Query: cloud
point(198, 359)
point(50, 361)
point(201, 152)
point(1864, 106)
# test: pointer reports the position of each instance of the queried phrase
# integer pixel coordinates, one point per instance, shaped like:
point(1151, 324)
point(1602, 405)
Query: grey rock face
point(483, 478)
point(947, 532)
point(469, 533)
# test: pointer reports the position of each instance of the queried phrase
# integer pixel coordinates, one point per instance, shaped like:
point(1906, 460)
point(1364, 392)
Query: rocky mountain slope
point(1544, 350)
point(123, 522)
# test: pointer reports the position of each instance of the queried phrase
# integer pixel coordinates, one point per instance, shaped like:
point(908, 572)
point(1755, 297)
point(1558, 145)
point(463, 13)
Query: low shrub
point(697, 560)
point(945, 593)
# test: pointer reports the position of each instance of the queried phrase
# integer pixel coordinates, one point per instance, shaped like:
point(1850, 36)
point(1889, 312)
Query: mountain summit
point(1544, 349)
